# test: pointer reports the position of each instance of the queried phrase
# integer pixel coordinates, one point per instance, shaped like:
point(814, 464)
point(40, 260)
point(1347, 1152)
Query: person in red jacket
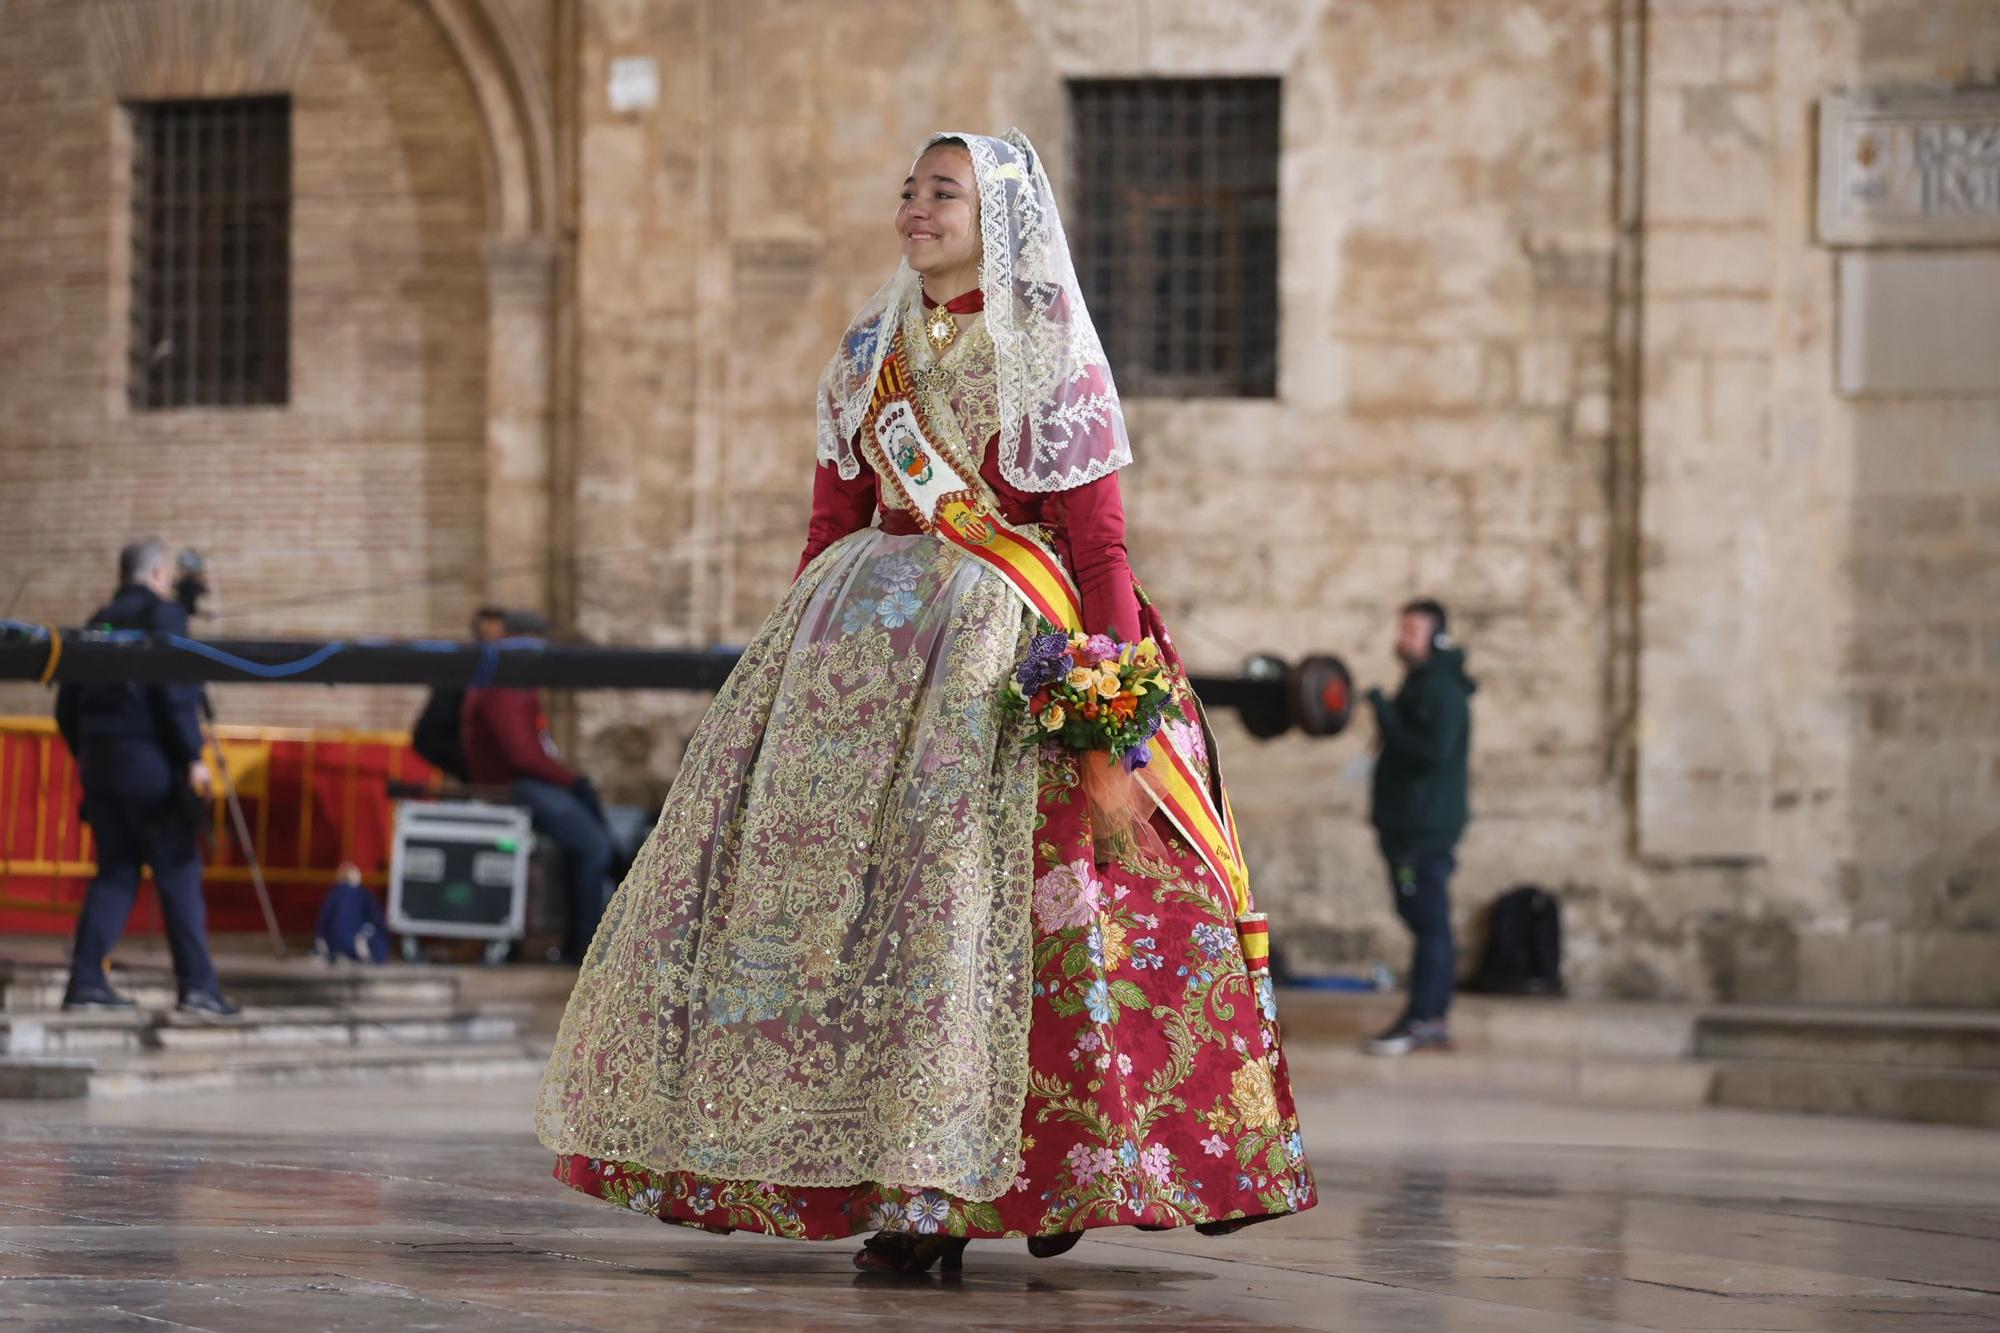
point(507, 744)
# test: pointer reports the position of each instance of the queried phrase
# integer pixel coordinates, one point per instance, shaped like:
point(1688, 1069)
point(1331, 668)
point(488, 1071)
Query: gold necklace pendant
point(941, 329)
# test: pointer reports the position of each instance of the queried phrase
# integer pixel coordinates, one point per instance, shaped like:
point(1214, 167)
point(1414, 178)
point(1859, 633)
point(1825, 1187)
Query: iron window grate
point(211, 253)
point(1177, 243)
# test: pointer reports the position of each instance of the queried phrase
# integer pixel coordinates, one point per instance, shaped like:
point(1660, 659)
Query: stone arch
point(512, 91)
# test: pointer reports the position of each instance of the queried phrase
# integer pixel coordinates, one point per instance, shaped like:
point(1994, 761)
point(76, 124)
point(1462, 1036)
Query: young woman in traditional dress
point(887, 964)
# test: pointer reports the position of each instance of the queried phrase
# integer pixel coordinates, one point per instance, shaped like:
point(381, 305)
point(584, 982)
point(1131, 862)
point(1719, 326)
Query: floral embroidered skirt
point(1155, 1092)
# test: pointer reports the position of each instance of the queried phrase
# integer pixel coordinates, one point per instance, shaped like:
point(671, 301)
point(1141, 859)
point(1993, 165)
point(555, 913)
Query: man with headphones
point(1418, 807)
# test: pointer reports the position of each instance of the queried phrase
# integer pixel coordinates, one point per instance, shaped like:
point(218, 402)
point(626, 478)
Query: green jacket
point(1419, 796)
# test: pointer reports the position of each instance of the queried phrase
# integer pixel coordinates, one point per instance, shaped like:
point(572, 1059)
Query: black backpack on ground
point(1523, 946)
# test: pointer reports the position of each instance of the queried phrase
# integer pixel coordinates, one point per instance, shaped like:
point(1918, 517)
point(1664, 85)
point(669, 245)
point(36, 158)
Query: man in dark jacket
point(1418, 807)
point(507, 744)
point(138, 749)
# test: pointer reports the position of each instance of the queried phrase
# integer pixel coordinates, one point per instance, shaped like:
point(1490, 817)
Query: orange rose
point(1124, 706)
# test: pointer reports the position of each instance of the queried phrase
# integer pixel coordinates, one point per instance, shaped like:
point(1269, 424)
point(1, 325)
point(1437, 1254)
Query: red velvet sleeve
point(1095, 517)
point(839, 507)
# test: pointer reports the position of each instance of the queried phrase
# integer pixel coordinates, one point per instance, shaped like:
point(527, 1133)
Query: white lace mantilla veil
point(1060, 422)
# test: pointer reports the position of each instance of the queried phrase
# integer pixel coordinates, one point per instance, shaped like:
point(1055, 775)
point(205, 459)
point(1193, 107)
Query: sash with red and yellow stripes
point(953, 508)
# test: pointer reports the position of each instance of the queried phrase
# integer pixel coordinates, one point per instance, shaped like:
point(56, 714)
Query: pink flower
point(1087, 1164)
point(1186, 738)
point(1157, 1162)
point(1214, 1145)
point(1124, 1064)
point(1068, 896)
point(1099, 648)
point(1088, 1040)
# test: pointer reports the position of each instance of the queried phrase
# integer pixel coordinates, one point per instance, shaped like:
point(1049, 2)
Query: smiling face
point(939, 222)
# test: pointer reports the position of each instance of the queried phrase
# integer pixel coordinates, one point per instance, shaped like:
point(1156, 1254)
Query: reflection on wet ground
point(381, 1208)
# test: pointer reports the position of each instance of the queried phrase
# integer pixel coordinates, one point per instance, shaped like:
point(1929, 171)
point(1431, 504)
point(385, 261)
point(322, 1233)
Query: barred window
point(211, 253)
point(1176, 240)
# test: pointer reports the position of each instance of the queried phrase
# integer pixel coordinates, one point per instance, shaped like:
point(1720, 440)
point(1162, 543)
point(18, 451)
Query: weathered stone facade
point(1557, 344)
point(1817, 693)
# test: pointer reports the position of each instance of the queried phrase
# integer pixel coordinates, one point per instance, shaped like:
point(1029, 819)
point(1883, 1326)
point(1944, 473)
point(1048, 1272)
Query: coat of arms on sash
point(911, 460)
point(969, 523)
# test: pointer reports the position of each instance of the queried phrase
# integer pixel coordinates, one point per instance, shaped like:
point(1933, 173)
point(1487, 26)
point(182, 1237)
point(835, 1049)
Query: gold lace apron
point(817, 972)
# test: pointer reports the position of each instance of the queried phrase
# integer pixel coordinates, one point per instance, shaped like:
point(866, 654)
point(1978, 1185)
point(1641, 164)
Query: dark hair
point(488, 612)
point(1426, 606)
point(948, 141)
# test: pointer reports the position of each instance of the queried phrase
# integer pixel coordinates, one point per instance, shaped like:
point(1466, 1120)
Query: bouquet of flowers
point(1091, 692)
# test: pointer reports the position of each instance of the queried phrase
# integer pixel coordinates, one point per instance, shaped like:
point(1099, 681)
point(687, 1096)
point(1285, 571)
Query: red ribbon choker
point(971, 303)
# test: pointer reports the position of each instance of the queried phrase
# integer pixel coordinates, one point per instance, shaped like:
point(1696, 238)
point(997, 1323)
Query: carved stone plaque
point(1909, 168)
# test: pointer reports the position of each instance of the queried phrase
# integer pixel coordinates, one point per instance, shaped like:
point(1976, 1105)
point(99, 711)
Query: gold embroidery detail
point(817, 971)
point(1252, 1094)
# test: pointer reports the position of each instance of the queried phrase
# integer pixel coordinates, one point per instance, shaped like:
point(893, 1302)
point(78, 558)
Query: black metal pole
point(89, 656)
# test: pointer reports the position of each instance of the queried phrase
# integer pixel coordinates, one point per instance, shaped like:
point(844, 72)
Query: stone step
point(1905, 1039)
point(1536, 1028)
point(1880, 1091)
point(1594, 1081)
point(178, 1071)
point(37, 988)
point(103, 1034)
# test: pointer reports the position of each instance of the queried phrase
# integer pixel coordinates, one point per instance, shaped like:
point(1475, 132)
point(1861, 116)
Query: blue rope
point(261, 670)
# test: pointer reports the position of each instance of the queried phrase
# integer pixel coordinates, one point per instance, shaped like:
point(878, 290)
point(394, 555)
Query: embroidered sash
point(898, 443)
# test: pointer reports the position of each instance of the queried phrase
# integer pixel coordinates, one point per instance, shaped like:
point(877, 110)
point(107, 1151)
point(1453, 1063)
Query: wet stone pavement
point(431, 1208)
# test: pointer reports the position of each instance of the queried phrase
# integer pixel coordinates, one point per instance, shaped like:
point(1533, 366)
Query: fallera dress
point(872, 971)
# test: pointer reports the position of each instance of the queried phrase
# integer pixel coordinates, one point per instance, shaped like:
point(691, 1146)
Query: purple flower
point(1102, 647)
point(1137, 757)
point(1048, 661)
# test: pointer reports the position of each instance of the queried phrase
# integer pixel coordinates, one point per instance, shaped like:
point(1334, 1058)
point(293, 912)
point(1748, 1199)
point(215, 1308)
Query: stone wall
point(359, 506)
point(1819, 752)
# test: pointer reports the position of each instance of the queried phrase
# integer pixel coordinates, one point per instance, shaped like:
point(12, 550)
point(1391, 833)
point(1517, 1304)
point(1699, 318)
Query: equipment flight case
point(459, 869)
